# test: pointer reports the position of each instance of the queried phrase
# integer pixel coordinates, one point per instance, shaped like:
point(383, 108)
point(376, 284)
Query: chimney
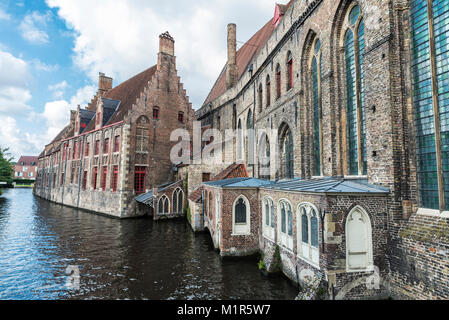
point(166, 44)
point(104, 83)
point(231, 68)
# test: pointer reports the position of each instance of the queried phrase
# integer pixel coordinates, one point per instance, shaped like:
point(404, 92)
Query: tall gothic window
point(430, 70)
point(264, 157)
point(268, 85)
point(289, 71)
point(268, 225)
point(164, 205)
point(250, 138)
point(354, 45)
point(308, 238)
point(178, 201)
point(278, 81)
point(287, 156)
point(316, 102)
point(260, 100)
point(285, 232)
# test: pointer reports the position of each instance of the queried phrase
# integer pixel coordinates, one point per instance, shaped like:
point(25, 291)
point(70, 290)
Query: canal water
point(44, 245)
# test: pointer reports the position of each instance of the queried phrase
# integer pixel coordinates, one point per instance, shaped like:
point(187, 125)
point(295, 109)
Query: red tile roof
point(27, 160)
point(127, 93)
point(246, 54)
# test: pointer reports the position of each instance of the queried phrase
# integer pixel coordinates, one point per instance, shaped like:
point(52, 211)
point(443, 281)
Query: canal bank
point(116, 259)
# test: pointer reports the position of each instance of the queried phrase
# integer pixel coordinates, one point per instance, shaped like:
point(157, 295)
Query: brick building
point(118, 147)
point(355, 189)
point(26, 168)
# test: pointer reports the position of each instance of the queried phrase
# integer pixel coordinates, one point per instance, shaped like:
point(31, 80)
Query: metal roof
point(321, 185)
point(239, 183)
point(328, 185)
point(146, 198)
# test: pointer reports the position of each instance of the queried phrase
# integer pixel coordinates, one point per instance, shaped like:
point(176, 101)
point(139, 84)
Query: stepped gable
point(127, 93)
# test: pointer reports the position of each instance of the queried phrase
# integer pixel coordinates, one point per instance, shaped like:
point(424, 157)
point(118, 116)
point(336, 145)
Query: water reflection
point(132, 259)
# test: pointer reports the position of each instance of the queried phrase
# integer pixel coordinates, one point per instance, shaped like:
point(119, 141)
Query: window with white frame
point(359, 247)
point(241, 224)
point(285, 224)
point(268, 218)
point(308, 238)
point(178, 201)
point(164, 205)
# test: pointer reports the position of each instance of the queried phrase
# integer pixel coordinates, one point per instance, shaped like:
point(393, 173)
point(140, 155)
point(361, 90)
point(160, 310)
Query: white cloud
point(4, 15)
point(120, 37)
point(14, 93)
point(30, 25)
point(41, 66)
point(58, 89)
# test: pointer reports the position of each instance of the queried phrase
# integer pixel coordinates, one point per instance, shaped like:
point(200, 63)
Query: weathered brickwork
point(409, 266)
point(123, 131)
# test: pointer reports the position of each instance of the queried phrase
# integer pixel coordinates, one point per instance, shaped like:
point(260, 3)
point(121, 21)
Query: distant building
point(118, 147)
point(26, 168)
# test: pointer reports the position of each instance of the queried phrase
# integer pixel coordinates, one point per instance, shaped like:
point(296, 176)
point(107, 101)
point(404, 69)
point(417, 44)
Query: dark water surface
point(132, 259)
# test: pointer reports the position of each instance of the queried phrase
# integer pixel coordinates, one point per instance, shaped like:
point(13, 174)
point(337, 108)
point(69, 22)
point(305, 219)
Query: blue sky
point(52, 50)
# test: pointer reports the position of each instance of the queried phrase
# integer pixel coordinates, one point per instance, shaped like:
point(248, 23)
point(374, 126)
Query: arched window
point(430, 75)
point(178, 201)
point(209, 202)
point(260, 98)
point(268, 87)
point(264, 158)
point(285, 232)
point(164, 205)
point(289, 71)
point(240, 141)
point(359, 247)
point(268, 217)
point(287, 155)
point(250, 138)
point(354, 45)
point(278, 81)
point(241, 224)
point(308, 233)
point(316, 102)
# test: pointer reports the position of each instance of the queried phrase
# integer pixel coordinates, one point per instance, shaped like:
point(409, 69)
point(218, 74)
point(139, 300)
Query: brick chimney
point(104, 83)
point(167, 44)
point(231, 68)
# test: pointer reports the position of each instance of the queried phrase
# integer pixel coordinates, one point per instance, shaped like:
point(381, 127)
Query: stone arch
point(163, 205)
point(240, 227)
point(178, 200)
point(358, 241)
point(286, 151)
point(142, 120)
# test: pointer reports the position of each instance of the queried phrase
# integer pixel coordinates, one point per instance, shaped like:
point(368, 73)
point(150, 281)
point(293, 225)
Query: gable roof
point(246, 54)
point(27, 160)
point(126, 93)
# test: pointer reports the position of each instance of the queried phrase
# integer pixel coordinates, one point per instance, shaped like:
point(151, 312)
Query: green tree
point(6, 167)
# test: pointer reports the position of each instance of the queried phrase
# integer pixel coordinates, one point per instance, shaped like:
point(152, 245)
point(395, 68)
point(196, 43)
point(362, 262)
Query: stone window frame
point(287, 164)
point(316, 103)
point(264, 153)
point(165, 209)
point(268, 90)
point(289, 71)
point(241, 229)
point(284, 239)
point(369, 241)
point(278, 77)
point(436, 70)
point(358, 91)
point(178, 191)
point(301, 245)
point(269, 231)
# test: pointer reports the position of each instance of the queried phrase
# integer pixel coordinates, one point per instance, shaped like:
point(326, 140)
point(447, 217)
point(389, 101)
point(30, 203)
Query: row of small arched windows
point(177, 202)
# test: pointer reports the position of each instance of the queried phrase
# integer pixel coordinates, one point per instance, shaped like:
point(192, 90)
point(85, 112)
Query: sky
point(51, 52)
